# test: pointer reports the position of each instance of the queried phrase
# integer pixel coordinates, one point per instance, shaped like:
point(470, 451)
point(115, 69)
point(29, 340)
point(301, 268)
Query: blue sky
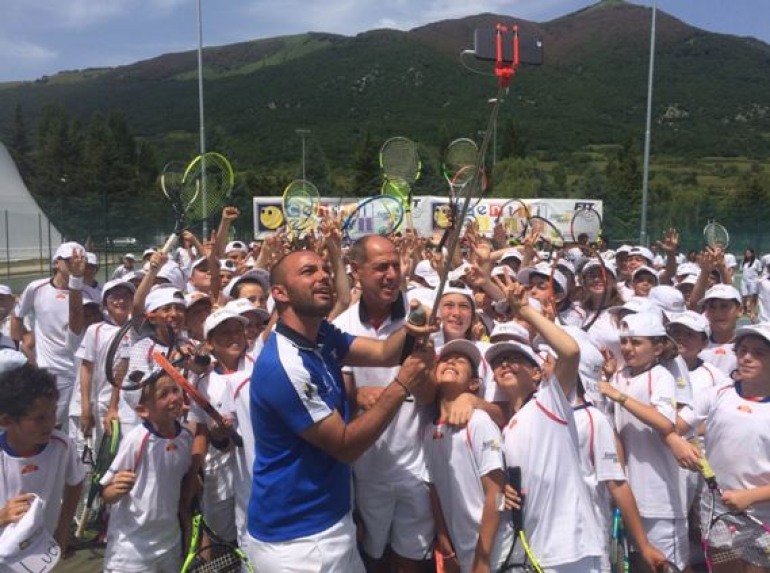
point(42, 37)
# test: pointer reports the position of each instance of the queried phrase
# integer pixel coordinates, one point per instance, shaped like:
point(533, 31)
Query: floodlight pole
point(643, 239)
point(202, 121)
point(303, 133)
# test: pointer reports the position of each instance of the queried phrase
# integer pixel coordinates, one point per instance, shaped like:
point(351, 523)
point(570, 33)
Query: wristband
point(449, 556)
point(622, 399)
point(75, 283)
point(404, 386)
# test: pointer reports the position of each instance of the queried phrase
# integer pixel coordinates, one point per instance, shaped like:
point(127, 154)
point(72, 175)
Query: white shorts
point(220, 516)
point(169, 563)
point(670, 537)
point(585, 565)
point(330, 551)
point(749, 288)
point(398, 515)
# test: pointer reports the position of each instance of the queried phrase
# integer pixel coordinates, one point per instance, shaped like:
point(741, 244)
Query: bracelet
point(450, 556)
point(75, 283)
point(622, 399)
point(404, 386)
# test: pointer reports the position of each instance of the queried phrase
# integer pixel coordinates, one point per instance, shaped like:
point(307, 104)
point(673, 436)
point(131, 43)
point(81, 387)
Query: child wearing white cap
point(465, 469)
point(722, 306)
point(144, 484)
point(735, 419)
point(602, 461)
point(644, 393)
point(225, 334)
point(561, 524)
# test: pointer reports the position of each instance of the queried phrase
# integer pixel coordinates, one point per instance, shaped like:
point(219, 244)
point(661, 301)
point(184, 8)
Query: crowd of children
point(587, 375)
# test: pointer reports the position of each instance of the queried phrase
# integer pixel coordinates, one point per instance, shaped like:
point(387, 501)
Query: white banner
point(428, 209)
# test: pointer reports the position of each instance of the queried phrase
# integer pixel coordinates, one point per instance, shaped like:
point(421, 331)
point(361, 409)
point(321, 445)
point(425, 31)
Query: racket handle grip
point(514, 480)
point(169, 243)
point(236, 438)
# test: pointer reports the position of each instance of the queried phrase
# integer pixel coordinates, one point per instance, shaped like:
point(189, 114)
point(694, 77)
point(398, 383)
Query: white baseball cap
point(426, 272)
point(464, 347)
point(260, 276)
point(692, 320)
point(643, 251)
point(163, 295)
point(64, 251)
point(115, 283)
point(721, 291)
point(501, 270)
point(762, 330)
point(511, 254)
point(643, 324)
point(688, 268)
point(11, 359)
point(509, 330)
point(634, 304)
point(129, 256)
point(594, 263)
point(218, 317)
point(544, 270)
point(172, 272)
point(5, 290)
point(244, 306)
point(149, 251)
point(645, 269)
point(27, 545)
point(668, 299)
point(92, 259)
point(236, 247)
point(195, 297)
point(506, 346)
point(463, 291)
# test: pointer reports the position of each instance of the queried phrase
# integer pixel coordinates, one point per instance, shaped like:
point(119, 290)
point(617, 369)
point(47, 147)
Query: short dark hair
point(236, 292)
point(20, 387)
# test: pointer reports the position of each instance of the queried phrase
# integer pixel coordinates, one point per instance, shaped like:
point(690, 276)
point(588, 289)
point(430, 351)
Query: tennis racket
point(214, 555)
point(586, 226)
point(300, 206)
point(91, 516)
point(716, 235)
point(514, 217)
point(204, 186)
point(380, 214)
point(460, 153)
point(196, 396)
point(618, 544)
point(401, 167)
point(735, 541)
point(520, 557)
point(467, 177)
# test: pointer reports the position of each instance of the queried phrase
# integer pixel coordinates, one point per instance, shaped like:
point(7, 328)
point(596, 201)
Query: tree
point(366, 177)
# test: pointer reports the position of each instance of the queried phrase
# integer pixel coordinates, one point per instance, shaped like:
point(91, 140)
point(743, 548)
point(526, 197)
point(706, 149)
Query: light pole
point(303, 133)
point(643, 240)
point(201, 119)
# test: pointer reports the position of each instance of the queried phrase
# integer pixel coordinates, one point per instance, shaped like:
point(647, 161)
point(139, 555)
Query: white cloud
point(26, 53)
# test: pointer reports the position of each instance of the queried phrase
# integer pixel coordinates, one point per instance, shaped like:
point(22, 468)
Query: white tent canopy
point(25, 231)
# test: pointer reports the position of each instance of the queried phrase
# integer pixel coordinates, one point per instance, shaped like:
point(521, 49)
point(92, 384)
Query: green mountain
point(710, 90)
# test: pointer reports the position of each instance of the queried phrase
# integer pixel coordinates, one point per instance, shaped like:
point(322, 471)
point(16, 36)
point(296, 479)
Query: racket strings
point(399, 159)
point(460, 153)
point(206, 184)
point(225, 560)
point(733, 538)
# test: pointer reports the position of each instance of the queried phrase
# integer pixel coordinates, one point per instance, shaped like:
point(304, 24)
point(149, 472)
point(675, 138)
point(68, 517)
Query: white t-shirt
point(559, 517)
point(45, 474)
point(720, 355)
point(707, 376)
point(457, 459)
point(653, 473)
point(144, 525)
point(397, 455)
point(751, 271)
point(763, 298)
point(236, 405)
point(737, 440)
point(93, 348)
point(599, 459)
point(50, 307)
